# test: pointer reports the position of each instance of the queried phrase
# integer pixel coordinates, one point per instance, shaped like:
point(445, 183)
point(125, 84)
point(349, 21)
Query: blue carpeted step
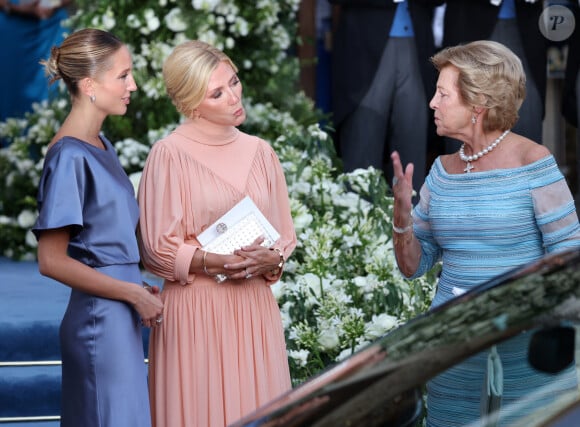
point(30, 391)
point(29, 341)
point(30, 424)
point(31, 308)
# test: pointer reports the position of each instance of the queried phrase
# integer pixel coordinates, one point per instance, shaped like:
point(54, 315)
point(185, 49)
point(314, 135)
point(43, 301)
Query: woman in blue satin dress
point(498, 203)
point(86, 240)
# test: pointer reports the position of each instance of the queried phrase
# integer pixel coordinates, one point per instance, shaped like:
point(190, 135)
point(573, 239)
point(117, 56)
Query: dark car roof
point(380, 385)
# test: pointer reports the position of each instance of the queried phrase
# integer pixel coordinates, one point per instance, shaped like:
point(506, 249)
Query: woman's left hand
point(258, 260)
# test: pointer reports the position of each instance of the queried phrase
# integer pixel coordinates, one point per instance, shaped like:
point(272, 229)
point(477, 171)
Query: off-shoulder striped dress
point(481, 225)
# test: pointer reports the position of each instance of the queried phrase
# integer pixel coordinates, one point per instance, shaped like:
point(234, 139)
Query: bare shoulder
point(529, 150)
point(447, 162)
point(452, 164)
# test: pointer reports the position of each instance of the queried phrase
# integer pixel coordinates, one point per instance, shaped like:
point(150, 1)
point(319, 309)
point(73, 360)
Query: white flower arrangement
point(341, 288)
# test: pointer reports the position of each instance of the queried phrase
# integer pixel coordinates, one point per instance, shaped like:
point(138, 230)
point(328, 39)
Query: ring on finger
point(395, 180)
point(159, 320)
point(248, 275)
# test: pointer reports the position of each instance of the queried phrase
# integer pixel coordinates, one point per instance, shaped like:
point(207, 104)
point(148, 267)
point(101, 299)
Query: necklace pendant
point(474, 157)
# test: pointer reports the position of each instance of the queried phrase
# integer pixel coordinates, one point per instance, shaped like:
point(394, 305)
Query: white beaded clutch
point(238, 227)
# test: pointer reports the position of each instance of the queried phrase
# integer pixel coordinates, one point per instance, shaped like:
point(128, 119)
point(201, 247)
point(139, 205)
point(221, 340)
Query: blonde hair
point(85, 53)
point(187, 71)
point(490, 76)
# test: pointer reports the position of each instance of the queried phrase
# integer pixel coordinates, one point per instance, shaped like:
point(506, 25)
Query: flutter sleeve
point(61, 192)
point(555, 211)
point(164, 251)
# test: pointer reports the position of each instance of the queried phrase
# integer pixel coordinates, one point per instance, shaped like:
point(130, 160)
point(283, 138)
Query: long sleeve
point(164, 250)
point(187, 185)
point(279, 207)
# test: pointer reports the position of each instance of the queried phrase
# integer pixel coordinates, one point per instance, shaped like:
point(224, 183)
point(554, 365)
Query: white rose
point(302, 220)
point(286, 319)
point(133, 21)
point(174, 20)
point(344, 354)
point(30, 239)
point(135, 178)
point(278, 289)
point(152, 20)
point(300, 356)
point(5, 220)
point(328, 339)
point(380, 324)
point(109, 21)
point(26, 219)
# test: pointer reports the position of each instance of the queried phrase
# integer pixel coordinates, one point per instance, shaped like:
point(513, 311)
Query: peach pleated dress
point(220, 352)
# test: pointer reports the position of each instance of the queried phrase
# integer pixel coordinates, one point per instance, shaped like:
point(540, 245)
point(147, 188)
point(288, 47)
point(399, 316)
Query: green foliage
point(341, 288)
point(259, 38)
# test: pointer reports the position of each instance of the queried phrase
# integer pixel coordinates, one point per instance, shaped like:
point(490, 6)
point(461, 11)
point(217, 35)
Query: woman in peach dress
point(220, 352)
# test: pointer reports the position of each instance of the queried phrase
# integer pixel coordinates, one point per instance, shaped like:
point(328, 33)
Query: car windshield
point(518, 329)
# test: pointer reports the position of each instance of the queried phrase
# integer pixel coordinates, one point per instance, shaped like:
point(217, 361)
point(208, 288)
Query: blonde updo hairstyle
point(490, 76)
point(85, 53)
point(187, 71)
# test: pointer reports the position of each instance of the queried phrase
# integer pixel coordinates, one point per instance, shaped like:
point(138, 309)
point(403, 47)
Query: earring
point(474, 119)
point(93, 98)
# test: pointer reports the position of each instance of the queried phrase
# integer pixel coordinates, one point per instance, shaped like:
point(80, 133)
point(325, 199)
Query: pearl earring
point(473, 119)
point(93, 98)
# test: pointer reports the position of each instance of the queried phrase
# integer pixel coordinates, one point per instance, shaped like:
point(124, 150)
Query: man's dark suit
point(359, 43)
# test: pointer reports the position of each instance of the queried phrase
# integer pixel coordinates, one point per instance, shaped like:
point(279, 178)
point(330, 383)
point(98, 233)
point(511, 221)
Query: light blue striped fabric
point(481, 225)
point(454, 397)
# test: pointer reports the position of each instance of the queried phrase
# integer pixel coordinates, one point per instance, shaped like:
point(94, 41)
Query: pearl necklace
point(474, 157)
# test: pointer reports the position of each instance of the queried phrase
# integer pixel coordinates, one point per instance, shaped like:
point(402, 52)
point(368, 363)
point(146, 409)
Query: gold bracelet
point(282, 261)
point(276, 270)
point(203, 263)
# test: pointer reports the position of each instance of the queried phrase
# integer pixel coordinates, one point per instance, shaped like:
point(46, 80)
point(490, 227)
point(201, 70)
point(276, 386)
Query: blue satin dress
point(104, 377)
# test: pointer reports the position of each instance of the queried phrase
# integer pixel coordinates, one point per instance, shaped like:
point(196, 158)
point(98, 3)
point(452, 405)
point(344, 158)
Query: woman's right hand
point(402, 189)
point(215, 264)
point(149, 306)
point(407, 247)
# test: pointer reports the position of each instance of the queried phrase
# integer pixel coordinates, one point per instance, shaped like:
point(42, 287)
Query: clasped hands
point(250, 261)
